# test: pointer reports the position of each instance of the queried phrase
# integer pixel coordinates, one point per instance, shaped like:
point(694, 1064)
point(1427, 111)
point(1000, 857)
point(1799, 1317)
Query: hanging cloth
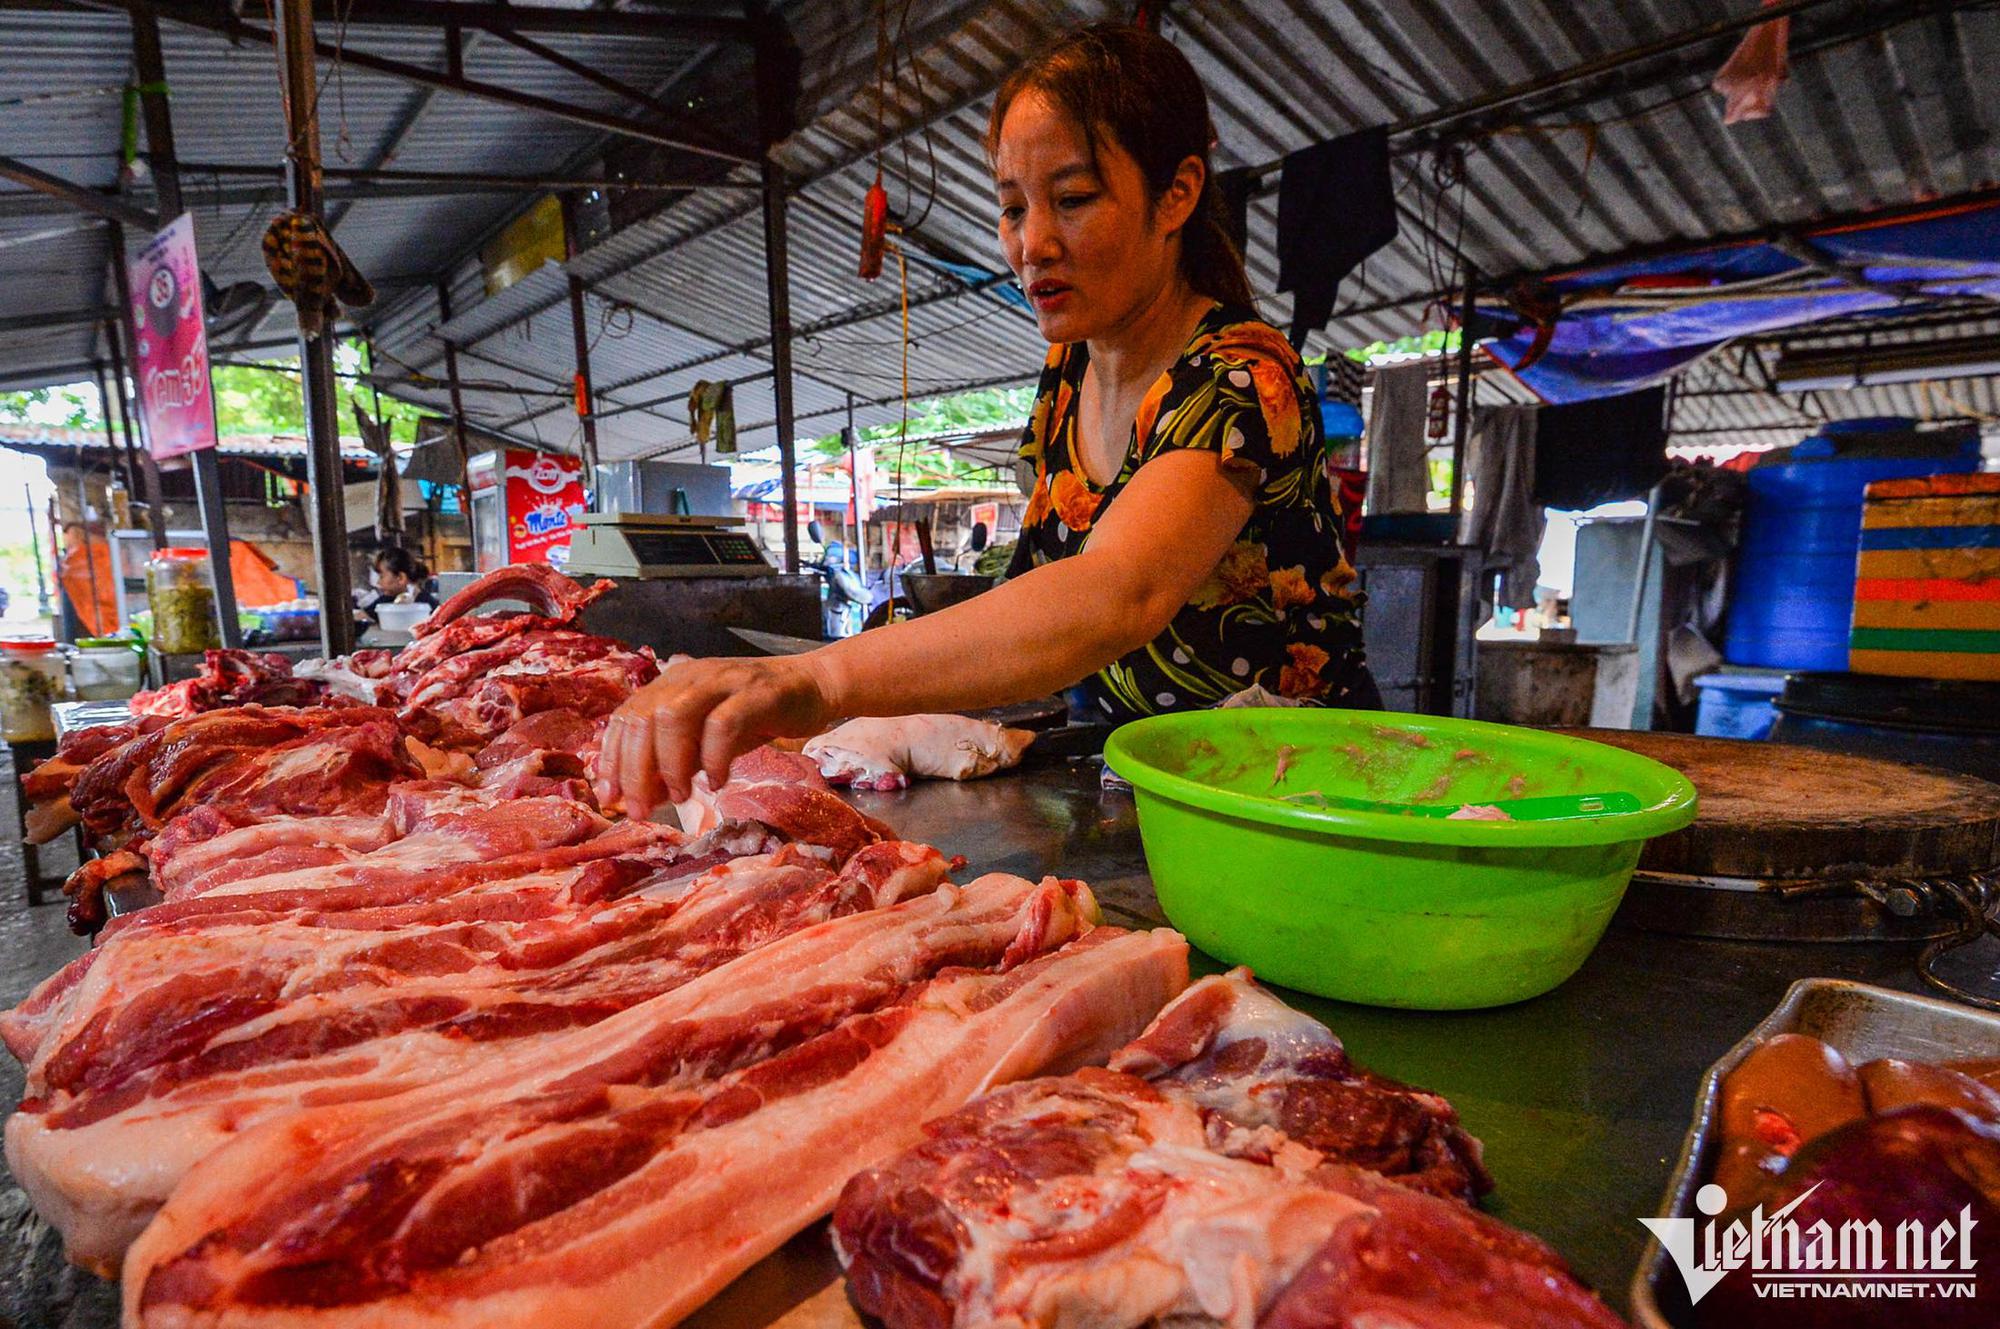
point(1345, 377)
point(1749, 80)
point(388, 483)
point(1335, 207)
point(1398, 477)
point(1504, 520)
point(712, 409)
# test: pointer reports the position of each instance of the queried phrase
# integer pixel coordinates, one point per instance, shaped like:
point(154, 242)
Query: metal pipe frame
point(127, 457)
point(343, 178)
point(972, 96)
point(1603, 66)
point(324, 472)
point(39, 322)
point(140, 477)
point(656, 20)
point(235, 29)
point(108, 206)
point(673, 325)
point(772, 98)
point(1596, 70)
point(579, 326)
point(1591, 70)
point(150, 65)
point(1463, 425)
point(121, 282)
point(457, 416)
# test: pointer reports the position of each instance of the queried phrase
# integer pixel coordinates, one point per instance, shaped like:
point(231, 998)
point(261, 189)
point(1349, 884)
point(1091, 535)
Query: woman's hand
point(700, 715)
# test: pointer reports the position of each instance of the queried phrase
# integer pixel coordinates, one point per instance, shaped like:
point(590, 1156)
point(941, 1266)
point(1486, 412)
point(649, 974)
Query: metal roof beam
point(972, 96)
point(447, 81)
point(657, 21)
point(257, 184)
point(73, 195)
point(71, 318)
point(452, 182)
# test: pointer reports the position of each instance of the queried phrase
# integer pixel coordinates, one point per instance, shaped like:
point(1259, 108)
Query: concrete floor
point(38, 1289)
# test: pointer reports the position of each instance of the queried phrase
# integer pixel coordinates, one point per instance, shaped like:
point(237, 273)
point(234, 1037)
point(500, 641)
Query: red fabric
point(1749, 80)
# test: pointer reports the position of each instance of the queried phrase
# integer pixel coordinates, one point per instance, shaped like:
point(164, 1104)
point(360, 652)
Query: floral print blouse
point(1278, 609)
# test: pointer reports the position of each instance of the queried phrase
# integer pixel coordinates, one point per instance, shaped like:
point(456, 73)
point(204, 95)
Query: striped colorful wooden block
point(1927, 589)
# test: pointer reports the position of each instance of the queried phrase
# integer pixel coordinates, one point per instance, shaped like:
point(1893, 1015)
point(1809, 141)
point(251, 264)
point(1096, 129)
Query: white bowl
point(401, 618)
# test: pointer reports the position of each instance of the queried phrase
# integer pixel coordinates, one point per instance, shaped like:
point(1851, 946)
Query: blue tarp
point(1687, 304)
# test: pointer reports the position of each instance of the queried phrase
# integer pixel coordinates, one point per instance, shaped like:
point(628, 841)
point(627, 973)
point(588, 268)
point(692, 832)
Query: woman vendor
point(1181, 540)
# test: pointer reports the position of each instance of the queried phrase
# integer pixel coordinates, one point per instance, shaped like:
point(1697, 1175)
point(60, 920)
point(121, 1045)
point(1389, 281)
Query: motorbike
point(844, 599)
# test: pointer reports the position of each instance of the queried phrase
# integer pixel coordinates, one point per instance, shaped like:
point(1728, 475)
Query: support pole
point(151, 68)
point(125, 334)
point(777, 269)
point(42, 603)
point(457, 414)
point(852, 438)
point(579, 326)
point(772, 112)
point(776, 76)
point(1464, 423)
point(127, 458)
point(323, 468)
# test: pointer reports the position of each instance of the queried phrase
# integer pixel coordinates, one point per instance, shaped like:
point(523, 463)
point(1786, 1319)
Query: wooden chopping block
point(1775, 811)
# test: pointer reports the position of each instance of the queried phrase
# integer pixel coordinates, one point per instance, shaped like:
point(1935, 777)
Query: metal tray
point(1863, 1022)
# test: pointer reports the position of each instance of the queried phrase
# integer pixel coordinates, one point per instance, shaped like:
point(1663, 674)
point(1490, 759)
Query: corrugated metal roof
point(56, 438)
point(1890, 103)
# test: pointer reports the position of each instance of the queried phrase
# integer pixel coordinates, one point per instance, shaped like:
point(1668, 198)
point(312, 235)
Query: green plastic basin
point(1376, 907)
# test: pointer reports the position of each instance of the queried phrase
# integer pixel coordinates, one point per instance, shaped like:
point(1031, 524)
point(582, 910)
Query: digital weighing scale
point(650, 544)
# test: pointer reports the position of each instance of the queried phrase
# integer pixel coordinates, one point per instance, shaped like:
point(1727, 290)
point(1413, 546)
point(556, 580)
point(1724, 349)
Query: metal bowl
point(932, 591)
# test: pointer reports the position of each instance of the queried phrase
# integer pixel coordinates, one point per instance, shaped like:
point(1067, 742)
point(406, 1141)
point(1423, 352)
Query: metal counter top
point(1581, 1096)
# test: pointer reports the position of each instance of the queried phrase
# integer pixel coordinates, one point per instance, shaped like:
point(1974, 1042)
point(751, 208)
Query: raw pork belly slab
point(234, 767)
point(622, 1174)
point(1172, 1188)
point(174, 1045)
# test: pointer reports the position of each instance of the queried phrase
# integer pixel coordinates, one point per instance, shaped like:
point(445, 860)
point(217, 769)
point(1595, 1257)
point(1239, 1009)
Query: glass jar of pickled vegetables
point(181, 595)
point(105, 669)
point(31, 680)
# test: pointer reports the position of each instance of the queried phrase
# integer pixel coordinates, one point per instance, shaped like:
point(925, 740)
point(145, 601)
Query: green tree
point(70, 406)
point(261, 398)
point(266, 398)
point(924, 464)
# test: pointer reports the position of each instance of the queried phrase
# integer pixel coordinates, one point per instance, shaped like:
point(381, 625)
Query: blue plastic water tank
point(1794, 597)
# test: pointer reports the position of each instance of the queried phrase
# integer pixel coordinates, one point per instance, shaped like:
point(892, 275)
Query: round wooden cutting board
point(1770, 810)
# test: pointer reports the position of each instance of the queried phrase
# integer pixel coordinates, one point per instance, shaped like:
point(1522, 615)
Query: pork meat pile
point(1231, 1166)
point(232, 678)
point(512, 703)
point(421, 1032)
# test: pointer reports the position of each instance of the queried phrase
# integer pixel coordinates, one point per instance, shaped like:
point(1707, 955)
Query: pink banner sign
point(174, 393)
